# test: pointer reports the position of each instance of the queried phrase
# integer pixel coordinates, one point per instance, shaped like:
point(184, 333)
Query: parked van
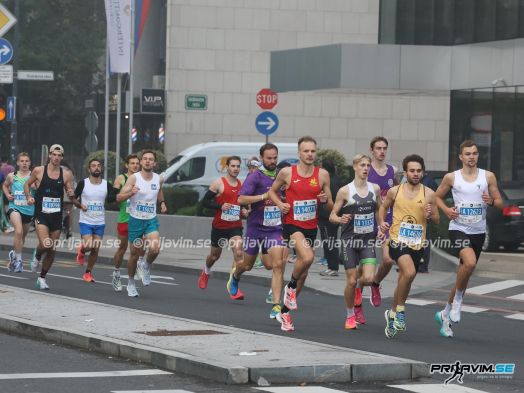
point(203, 163)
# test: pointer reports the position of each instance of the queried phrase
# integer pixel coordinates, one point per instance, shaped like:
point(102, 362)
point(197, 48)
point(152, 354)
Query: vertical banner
point(118, 16)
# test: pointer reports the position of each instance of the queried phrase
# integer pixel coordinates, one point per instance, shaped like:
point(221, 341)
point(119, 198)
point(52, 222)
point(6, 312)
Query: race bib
point(272, 216)
point(51, 205)
point(95, 208)
point(470, 212)
point(364, 223)
point(410, 234)
point(20, 199)
point(305, 210)
point(231, 214)
point(145, 210)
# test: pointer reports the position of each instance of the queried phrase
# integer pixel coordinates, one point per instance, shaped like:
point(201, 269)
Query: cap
point(56, 147)
point(254, 163)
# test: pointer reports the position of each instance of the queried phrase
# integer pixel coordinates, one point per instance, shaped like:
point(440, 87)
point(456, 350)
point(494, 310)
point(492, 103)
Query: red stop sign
point(267, 99)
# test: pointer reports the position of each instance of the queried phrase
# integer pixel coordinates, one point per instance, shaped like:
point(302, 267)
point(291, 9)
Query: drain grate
point(162, 333)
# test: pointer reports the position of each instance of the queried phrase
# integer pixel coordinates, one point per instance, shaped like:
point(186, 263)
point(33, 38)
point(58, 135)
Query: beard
point(96, 174)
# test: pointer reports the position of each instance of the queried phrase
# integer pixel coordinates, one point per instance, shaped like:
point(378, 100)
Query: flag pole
point(106, 118)
point(118, 120)
point(132, 48)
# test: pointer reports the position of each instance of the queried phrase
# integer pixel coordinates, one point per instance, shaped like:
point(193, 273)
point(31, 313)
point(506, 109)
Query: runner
point(19, 212)
point(264, 227)
point(226, 227)
point(385, 176)
point(355, 208)
point(52, 180)
point(91, 195)
point(144, 189)
point(306, 186)
point(414, 204)
point(473, 190)
point(132, 166)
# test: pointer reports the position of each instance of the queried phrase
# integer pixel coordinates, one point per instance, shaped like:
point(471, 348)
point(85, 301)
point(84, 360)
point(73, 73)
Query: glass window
point(464, 21)
point(485, 20)
point(503, 132)
point(481, 124)
point(518, 162)
point(444, 16)
point(388, 19)
point(424, 22)
point(190, 170)
point(507, 19)
point(405, 30)
point(460, 123)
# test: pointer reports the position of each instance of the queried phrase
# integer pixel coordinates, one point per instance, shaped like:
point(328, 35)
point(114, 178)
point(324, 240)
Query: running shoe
point(390, 325)
point(358, 297)
point(232, 284)
point(445, 325)
point(41, 283)
point(292, 259)
point(117, 284)
point(269, 297)
point(88, 277)
point(12, 261)
point(375, 297)
point(258, 264)
point(144, 270)
point(400, 321)
point(203, 280)
point(19, 267)
point(322, 261)
point(286, 324)
point(275, 311)
point(454, 314)
point(290, 298)
point(351, 322)
point(35, 263)
point(359, 315)
point(131, 290)
point(329, 273)
point(80, 256)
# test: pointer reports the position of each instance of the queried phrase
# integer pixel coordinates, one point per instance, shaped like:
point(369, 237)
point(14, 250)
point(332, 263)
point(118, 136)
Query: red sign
point(267, 99)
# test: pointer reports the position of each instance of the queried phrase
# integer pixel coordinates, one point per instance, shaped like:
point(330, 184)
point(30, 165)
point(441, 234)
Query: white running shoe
point(454, 314)
point(145, 273)
point(41, 283)
point(35, 263)
point(19, 267)
point(117, 284)
point(131, 290)
point(12, 261)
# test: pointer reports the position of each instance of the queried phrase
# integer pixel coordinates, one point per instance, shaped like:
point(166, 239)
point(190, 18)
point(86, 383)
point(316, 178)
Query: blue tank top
point(20, 201)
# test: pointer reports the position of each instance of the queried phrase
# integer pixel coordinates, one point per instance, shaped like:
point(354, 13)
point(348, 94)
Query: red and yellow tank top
point(302, 197)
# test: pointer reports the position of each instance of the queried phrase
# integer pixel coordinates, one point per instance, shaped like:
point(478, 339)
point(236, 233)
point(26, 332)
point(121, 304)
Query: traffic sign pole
point(14, 123)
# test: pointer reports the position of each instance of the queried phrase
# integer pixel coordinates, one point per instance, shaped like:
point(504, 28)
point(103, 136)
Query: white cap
point(56, 147)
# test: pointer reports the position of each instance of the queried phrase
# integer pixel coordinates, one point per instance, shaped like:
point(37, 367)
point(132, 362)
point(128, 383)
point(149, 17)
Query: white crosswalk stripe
point(515, 316)
point(520, 296)
point(96, 374)
point(494, 287)
point(436, 388)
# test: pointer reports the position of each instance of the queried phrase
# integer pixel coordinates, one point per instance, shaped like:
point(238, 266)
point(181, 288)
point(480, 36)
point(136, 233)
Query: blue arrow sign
point(11, 108)
point(266, 123)
point(6, 51)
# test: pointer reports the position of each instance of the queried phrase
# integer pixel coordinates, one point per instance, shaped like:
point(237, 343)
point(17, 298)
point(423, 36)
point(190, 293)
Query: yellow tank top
point(409, 219)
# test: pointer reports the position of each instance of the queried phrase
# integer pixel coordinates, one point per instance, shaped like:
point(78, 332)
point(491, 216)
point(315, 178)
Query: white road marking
point(98, 374)
point(419, 302)
point(519, 317)
point(517, 297)
point(15, 277)
point(151, 391)
point(300, 389)
point(494, 287)
point(436, 388)
point(473, 310)
point(152, 276)
point(102, 282)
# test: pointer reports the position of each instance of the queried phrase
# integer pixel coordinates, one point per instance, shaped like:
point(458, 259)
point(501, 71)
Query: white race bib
point(305, 210)
point(272, 216)
point(410, 234)
point(145, 210)
point(95, 208)
point(20, 199)
point(470, 212)
point(364, 223)
point(231, 214)
point(50, 205)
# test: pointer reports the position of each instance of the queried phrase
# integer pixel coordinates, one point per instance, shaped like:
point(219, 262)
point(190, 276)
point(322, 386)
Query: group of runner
point(282, 209)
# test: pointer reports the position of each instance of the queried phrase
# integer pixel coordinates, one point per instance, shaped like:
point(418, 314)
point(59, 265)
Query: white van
point(203, 163)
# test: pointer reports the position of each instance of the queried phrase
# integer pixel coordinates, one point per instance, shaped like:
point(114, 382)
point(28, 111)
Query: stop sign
point(267, 99)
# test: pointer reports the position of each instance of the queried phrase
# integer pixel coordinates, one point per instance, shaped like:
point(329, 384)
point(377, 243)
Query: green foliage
point(344, 171)
point(161, 161)
point(178, 198)
point(99, 155)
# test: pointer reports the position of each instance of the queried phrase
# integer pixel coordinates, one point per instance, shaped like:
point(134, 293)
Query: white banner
point(118, 15)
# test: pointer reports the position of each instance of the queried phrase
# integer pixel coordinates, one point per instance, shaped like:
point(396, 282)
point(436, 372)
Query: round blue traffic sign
point(6, 51)
point(266, 123)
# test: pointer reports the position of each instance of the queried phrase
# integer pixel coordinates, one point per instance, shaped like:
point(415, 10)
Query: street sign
point(11, 108)
point(91, 122)
point(196, 102)
point(6, 51)
point(266, 123)
point(6, 73)
point(152, 101)
point(23, 75)
point(91, 143)
point(267, 99)
point(7, 20)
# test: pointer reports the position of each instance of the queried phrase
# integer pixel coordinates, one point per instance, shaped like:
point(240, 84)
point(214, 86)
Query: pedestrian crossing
point(416, 388)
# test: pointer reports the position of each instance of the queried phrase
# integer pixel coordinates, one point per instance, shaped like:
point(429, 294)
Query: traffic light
point(3, 107)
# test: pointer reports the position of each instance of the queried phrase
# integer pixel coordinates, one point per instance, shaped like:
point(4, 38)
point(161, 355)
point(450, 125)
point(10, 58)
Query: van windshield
point(174, 160)
point(190, 170)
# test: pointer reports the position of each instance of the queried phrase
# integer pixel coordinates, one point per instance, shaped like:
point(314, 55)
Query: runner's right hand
point(10, 197)
point(134, 190)
point(30, 201)
point(285, 207)
point(344, 219)
point(452, 213)
point(226, 206)
point(84, 208)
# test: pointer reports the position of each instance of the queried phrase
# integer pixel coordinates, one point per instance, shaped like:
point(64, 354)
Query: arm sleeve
point(209, 200)
point(79, 188)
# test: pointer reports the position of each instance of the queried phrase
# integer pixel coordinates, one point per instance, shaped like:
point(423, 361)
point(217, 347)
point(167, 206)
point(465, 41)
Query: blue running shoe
point(275, 311)
point(400, 321)
point(232, 284)
point(390, 326)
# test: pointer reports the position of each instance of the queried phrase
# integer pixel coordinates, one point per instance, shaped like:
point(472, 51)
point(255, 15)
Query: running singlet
point(467, 197)
point(93, 196)
point(409, 219)
point(20, 201)
point(143, 203)
point(385, 183)
point(362, 223)
point(123, 213)
point(227, 219)
point(50, 194)
point(302, 198)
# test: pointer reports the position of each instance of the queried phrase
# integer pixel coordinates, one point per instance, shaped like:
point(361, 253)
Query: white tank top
point(143, 203)
point(94, 197)
point(467, 197)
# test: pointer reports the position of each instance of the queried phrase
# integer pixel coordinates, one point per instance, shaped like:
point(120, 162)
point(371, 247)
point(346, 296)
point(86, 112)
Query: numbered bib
point(364, 223)
point(470, 212)
point(20, 199)
point(305, 210)
point(95, 208)
point(145, 210)
point(272, 216)
point(51, 205)
point(410, 234)
point(231, 214)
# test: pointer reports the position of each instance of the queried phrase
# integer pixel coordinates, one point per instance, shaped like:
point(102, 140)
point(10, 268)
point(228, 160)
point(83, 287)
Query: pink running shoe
point(359, 315)
point(290, 298)
point(358, 297)
point(286, 324)
point(351, 322)
point(203, 280)
point(375, 297)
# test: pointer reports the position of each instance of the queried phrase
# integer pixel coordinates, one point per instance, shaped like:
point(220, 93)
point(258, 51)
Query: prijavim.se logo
point(458, 369)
